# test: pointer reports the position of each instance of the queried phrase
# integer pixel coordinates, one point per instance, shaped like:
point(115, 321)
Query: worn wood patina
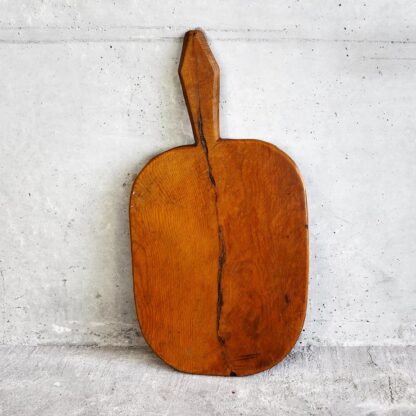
point(219, 241)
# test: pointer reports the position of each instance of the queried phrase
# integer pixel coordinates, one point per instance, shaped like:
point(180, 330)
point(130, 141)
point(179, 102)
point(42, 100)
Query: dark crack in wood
point(205, 149)
point(221, 242)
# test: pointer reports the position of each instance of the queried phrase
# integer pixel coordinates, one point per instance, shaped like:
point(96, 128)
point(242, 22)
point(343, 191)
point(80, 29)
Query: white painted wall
point(89, 92)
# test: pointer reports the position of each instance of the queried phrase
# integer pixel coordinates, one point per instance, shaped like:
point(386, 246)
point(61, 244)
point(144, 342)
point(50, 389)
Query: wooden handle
point(200, 75)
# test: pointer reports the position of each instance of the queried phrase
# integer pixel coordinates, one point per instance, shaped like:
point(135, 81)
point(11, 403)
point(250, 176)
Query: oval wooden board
point(219, 242)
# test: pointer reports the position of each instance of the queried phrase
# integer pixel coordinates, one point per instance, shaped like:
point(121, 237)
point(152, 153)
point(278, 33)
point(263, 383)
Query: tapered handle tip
point(199, 74)
point(197, 55)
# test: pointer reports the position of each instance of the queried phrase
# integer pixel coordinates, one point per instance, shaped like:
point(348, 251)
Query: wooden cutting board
point(219, 238)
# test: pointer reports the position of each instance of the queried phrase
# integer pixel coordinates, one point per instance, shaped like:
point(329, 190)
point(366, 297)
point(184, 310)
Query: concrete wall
point(89, 92)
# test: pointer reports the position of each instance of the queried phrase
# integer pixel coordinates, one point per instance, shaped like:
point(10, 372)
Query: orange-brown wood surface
point(219, 241)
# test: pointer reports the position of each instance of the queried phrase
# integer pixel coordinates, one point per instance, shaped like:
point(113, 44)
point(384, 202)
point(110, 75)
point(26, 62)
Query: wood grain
point(219, 241)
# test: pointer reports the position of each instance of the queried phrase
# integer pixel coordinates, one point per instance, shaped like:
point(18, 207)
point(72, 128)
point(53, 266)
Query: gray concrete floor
point(58, 380)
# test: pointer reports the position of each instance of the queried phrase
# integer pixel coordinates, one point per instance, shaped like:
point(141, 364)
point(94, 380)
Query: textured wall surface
point(89, 92)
